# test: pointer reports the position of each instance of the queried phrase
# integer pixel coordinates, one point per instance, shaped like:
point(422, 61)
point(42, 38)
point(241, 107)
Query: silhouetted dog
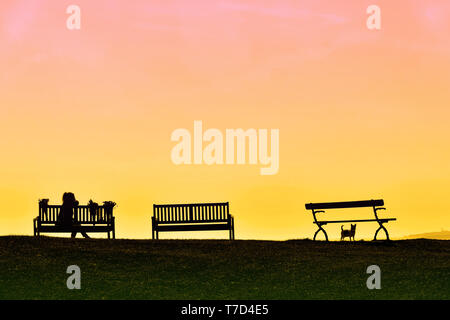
point(348, 233)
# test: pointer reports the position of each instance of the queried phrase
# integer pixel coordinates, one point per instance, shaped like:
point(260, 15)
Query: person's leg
point(85, 235)
point(74, 234)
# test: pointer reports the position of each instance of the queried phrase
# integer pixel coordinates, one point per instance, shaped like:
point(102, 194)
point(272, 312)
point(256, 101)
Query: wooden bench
point(375, 204)
point(85, 220)
point(192, 217)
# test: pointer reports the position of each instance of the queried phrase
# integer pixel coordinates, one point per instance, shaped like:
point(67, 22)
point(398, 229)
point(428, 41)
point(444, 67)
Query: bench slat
point(82, 214)
point(86, 228)
point(345, 204)
point(193, 227)
point(358, 220)
point(191, 212)
point(193, 221)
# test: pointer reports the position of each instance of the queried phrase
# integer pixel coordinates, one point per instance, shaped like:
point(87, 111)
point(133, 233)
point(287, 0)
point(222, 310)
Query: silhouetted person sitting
point(66, 215)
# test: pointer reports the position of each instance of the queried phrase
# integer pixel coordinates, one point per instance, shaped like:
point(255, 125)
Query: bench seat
point(193, 227)
point(70, 229)
point(358, 220)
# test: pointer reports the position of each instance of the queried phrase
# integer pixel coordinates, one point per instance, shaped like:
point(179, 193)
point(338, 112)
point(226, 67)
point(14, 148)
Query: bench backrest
point(194, 212)
point(50, 213)
point(345, 204)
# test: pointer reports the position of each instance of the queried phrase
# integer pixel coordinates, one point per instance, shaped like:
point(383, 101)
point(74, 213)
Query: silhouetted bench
point(375, 204)
point(192, 217)
point(87, 219)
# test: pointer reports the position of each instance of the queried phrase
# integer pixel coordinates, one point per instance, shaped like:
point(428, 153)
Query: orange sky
point(362, 114)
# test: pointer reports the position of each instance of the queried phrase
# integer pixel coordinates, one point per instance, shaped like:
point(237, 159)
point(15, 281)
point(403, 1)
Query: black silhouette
point(73, 218)
point(192, 217)
point(315, 208)
point(43, 203)
point(348, 233)
point(67, 215)
point(93, 211)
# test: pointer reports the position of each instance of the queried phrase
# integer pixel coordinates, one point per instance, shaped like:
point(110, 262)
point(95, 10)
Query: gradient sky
point(362, 114)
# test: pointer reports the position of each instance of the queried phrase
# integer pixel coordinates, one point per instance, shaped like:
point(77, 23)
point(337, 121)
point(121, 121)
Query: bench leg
point(324, 232)
point(231, 233)
point(36, 224)
point(385, 231)
point(154, 228)
point(231, 225)
point(233, 228)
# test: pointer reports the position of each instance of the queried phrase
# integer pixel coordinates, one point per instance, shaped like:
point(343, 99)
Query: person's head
point(69, 199)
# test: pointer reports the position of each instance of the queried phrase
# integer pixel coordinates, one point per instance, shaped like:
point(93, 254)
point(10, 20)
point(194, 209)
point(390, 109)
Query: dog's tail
point(342, 228)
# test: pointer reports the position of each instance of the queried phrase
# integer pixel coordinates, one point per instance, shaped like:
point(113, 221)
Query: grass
point(35, 268)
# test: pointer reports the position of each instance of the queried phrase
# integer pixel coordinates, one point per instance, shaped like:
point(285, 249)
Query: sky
point(362, 114)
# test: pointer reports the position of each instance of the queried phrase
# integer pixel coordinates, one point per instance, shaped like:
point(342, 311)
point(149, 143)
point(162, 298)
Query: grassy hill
point(35, 268)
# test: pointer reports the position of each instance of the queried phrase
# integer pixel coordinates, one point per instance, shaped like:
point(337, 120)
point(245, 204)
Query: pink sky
point(137, 70)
